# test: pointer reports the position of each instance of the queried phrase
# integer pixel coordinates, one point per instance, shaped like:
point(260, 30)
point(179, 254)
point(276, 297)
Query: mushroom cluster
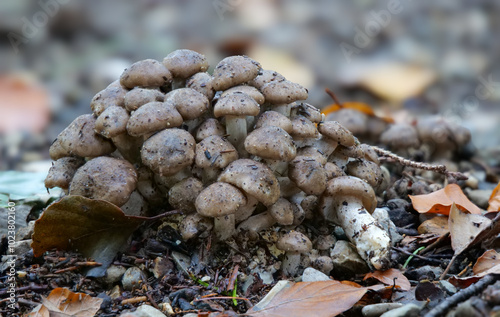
point(235, 151)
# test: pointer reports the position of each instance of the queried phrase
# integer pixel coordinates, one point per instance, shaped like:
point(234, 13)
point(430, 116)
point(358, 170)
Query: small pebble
point(114, 273)
point(132, 278)
point(313, 275)
point(408, 310)
point(376, 310)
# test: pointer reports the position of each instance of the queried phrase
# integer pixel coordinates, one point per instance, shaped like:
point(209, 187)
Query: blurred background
point(404, 58)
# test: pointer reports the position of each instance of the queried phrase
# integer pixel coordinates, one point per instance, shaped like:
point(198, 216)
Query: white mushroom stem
point(277, 166)
point(257, 223)
point(284, 109)
point(291, 263)
point(245, 211)
point(372, 242)
point(325, 145)
point(338, 159)
point(236, 128)
point(224, 227)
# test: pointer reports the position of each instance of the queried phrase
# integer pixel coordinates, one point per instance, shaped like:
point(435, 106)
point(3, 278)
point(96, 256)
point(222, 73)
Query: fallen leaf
point(464, 228)
point(397, 82)
point(63, 302)
point(95, 228)
point(441, 200)
point(390, 277)
point(487, 263)
point(494, 201)
point(428, 291)
point(324, 298)
point(437, 225)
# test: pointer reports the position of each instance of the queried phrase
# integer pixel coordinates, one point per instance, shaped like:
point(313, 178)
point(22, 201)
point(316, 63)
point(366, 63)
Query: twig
point(333, 96)
point(388, 156)
point(134, 300)
point(461, 296)
point(232, 279)
point(223, 297)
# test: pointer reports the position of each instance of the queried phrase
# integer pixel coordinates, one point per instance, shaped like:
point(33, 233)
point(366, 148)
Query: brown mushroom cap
point(185, 63)
point(183, 194)
point(249, 90)
point(400, 136)
point(56, 151)
point(370, 153)
point(308, 111)
point(349, 186)
point(303, 128)
point(312, 152)
point(141, 96)
point(353, 120)
point(336, 132)
point(208, 128)
point(308, 174)
point(294, 241)
point(215, 151)
point(233, 71)
point(190, 103)
point(282, 211)
point(201, 82)
point(219, 199)
point(273, 118)
point(254, 178)
point(264, 77)
point(113, 95)
point(80, 139)
point(105, 178)
point(112, 122)
point(168, 151)
point(236, 104)
point(62, 171)
point(152, 117)
point(283, 92)
point(146, 73)
point(195, 225)
point(366, 170)
point(270, 142)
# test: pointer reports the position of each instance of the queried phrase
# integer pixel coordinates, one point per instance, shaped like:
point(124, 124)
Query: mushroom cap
point(152, 117)
point(332, 170)
point(254, 178)
point(201, 82)
point(336, 132)
point(351, 151)
point(273, 118)
point(190, 103)
point(233, 71)
point(312, 152)
point(208, 128)
point(62, 171)
point(168, 151)
point(325, 242)
point(282, 211)
point(215, 151)
point(113, 95)
point(141, 96)
point(308, 174)
point(353, 120)
point(236, 104)
point(219, 199)
point(80, 139)
point(56, 151)
point(400, 136)
point(264, 77)
point(146, 73)
point(370, 153)
point(112, 122)
point(283, 92)
point(184, 63)
point(194, 225)
point(294, 241)
point(309, 111)
point(366, 170)
point(303, 128)
point(270, 142)
point(439, 131)
point(183, 194)
point(349, 186)
point(249, 90)
point(105, 178)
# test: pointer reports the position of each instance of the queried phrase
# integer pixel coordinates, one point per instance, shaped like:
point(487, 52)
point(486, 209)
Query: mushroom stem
point(209, 175)
point(284, 109)
point(277, 166)
point(171, 180)
point(257, 223)
point(372, 242)
point(245, 211)
point(291, 263)
point(224, 227)
point(236, 128)
point(339, 159)
point(325, 145)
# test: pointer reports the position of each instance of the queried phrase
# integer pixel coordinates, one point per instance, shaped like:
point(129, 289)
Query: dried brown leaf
point(95, 228)
point(494, 201)
point(441, 200)
point(390, 277)
point(437, 225)
point(63, 302)
point(487, 263)
point(464, 228)
point(324, 298)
